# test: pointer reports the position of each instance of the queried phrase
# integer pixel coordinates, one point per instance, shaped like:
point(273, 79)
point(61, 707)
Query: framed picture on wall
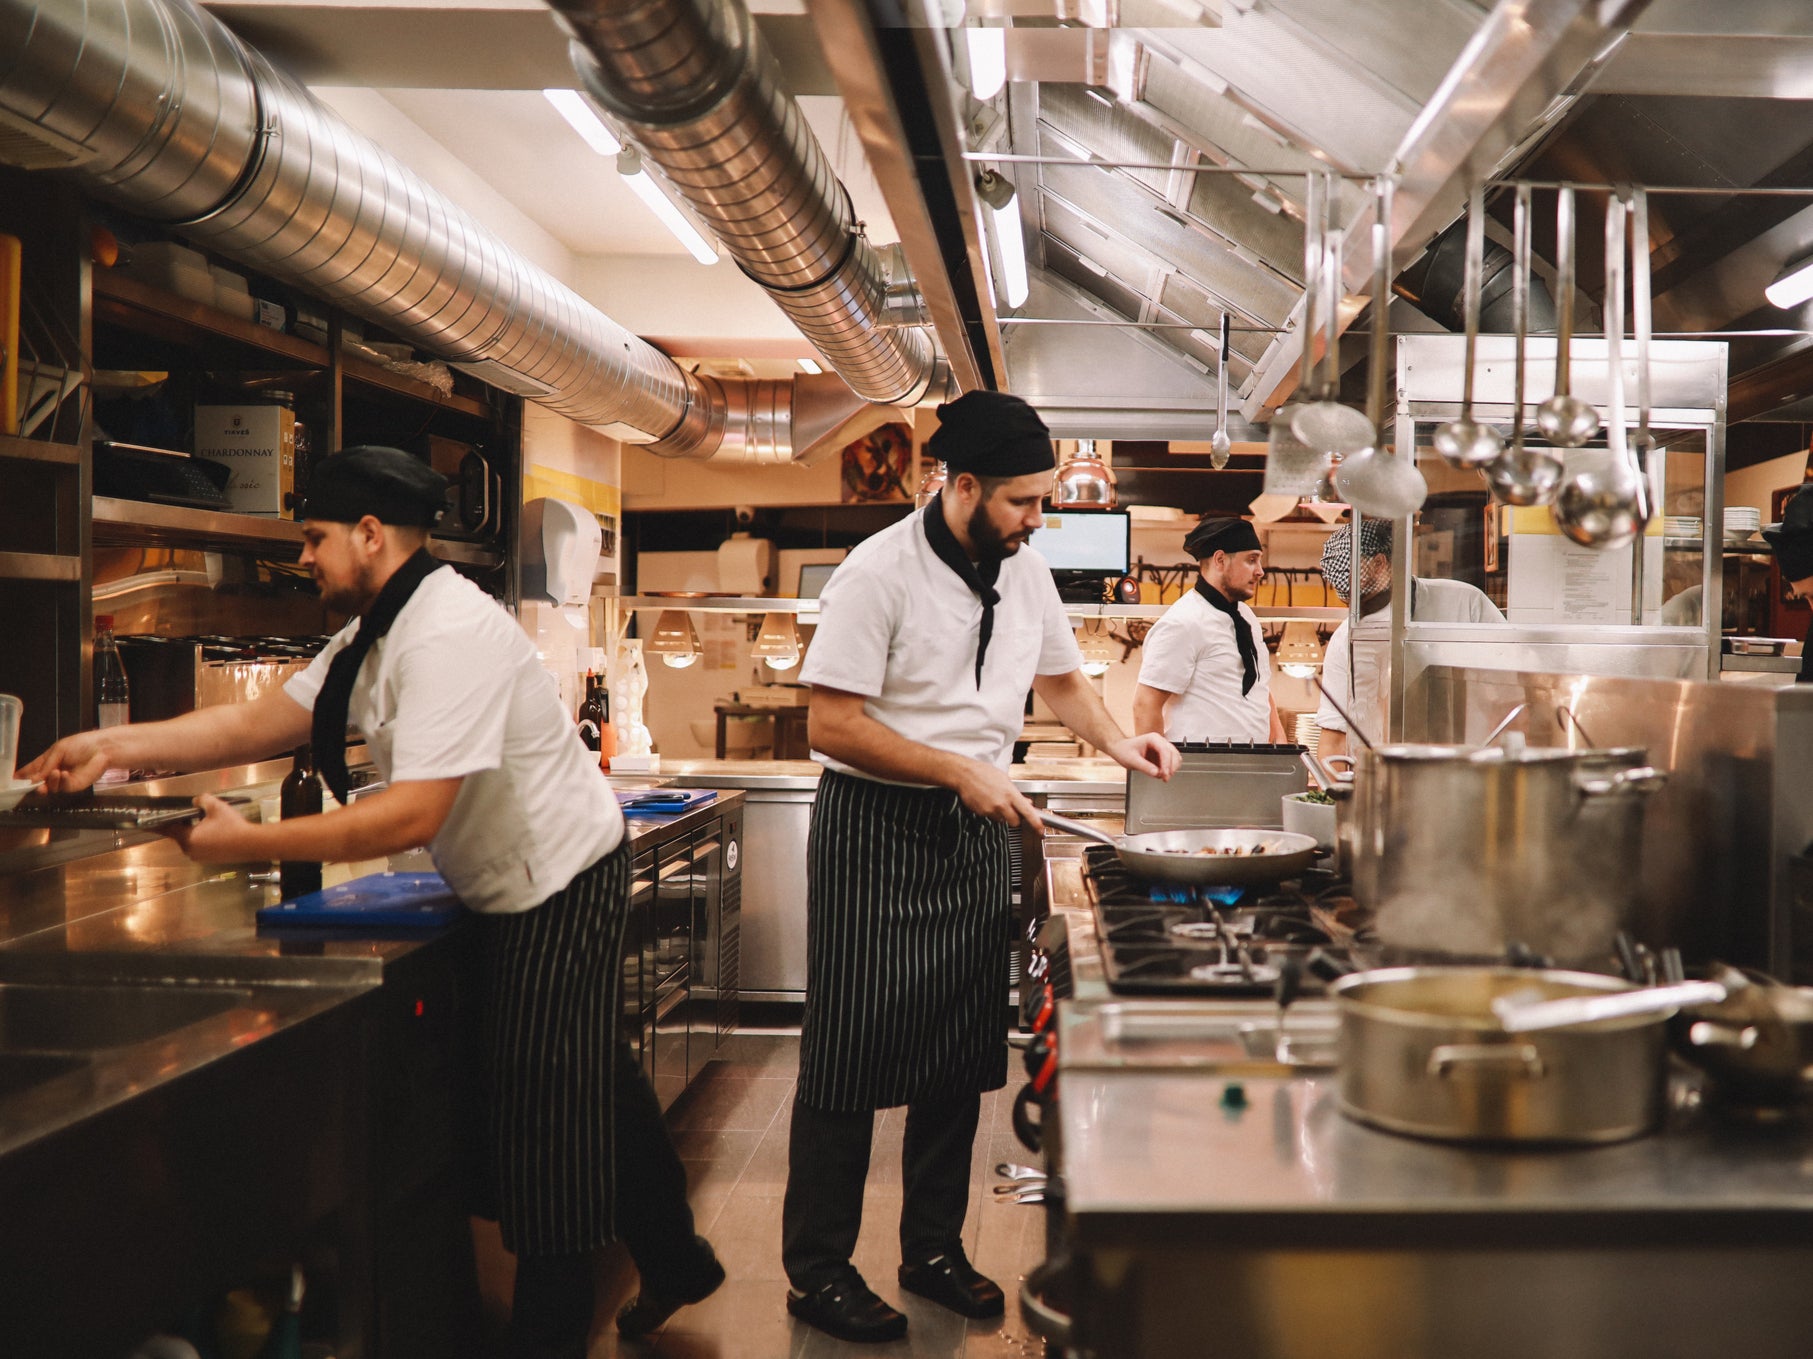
point(875, 466)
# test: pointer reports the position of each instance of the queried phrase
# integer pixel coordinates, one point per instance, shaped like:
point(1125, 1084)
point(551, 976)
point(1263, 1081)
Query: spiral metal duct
point(156, 106)
point(694, 85)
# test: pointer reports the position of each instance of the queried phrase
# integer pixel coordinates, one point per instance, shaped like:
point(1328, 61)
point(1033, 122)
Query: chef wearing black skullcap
point(1204, 673)
point(1792, 542)
point(485, 767)
point(929, 635)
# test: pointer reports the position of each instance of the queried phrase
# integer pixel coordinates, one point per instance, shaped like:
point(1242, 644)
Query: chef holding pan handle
point(930, 633)
point(485, 767)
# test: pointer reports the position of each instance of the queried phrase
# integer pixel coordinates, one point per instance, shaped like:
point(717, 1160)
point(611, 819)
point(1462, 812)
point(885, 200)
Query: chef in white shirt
point(1431, 601)
point(1204, 672)
point(929, 637)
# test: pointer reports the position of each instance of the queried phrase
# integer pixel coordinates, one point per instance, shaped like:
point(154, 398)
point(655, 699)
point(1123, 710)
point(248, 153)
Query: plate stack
point(1685, 526)
point(1741, 524)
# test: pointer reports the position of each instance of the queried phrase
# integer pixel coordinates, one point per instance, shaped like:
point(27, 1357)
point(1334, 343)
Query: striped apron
point(553, 977)
point(907, 924)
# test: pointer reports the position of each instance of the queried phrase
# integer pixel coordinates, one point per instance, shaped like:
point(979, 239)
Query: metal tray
point(103, 811)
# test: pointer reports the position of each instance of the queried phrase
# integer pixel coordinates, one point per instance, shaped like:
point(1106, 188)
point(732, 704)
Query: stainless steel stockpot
point(1423, 1053)
point(1468, 850)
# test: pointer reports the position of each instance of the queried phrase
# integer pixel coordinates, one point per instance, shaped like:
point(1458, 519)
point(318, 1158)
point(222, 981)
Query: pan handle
point(1081, 828)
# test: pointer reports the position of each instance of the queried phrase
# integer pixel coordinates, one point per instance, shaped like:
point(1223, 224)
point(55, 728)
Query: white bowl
point(1316, 819)
point(13, 791)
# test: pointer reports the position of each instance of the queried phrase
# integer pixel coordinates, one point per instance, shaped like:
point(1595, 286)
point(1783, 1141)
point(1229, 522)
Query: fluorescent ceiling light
point(1013, 251)
point(629, 165)
point(1793, 285)
point(578, 113)
point(987, 61)
point(811, 366)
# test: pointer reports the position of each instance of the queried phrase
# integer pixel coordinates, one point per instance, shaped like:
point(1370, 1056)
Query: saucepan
point(1203, 858)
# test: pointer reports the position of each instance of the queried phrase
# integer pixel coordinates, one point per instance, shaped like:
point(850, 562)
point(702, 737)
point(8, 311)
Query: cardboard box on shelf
point(259, 444)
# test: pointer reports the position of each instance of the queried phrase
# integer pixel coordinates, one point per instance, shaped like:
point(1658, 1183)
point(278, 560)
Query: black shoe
point(951, 1281)
point(848, 1309)
point(649, 1310)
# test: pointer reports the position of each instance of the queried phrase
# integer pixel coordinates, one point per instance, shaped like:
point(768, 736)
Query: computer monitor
point(1086, 542)
point(812, 578)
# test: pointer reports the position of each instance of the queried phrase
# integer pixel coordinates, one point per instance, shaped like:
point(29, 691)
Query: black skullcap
point(1221, 535)
point(991, 434)
point(1793, 538)
point(386, 483)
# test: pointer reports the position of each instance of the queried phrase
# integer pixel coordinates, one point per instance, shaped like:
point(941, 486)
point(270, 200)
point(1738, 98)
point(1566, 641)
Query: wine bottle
point(300, 795)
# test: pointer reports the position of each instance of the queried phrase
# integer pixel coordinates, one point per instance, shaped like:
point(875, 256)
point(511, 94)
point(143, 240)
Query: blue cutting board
point(662, 801)
point(382, 901)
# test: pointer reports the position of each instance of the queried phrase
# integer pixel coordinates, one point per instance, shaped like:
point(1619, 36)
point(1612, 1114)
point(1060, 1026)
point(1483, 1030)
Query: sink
point(95, 1018)
point(22, 1070)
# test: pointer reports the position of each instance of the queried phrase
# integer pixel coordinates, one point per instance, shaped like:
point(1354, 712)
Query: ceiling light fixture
point(1793, 285)
point(674, 640)
point(579, 115)
point(777, 646)
point(810, 366)
point(1004, 204)
point(1098, 646)
point(1300, 650)
point(987, 61)
point(1085, 481)
point(629, 165)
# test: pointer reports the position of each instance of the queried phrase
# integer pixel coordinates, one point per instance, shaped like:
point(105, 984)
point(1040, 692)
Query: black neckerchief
point(1243, 635)
point(979, 577)
point(329, 727)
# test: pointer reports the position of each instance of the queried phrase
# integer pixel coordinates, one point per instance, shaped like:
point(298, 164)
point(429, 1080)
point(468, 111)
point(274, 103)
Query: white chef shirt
point(1436, 601)
point(1192, 654)
point(454, 689)
point(899, 627)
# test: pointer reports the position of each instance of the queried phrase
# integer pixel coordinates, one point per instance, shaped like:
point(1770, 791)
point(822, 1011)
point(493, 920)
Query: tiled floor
point(731, 1128)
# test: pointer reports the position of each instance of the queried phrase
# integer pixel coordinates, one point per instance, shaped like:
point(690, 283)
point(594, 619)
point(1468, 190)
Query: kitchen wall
point(1752, 485)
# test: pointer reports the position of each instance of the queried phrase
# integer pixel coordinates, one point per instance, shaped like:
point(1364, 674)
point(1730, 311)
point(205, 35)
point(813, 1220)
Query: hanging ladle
point(1220, 445)
point(1522, 475)
point(1564, 418)
point(1325, 424)
point(1374, 481)
point(1466, 442)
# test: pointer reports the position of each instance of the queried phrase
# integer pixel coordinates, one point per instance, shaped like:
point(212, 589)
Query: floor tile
point(733, 1102)
point(723, 1151)
point(745, 1319)
point(747, 1238)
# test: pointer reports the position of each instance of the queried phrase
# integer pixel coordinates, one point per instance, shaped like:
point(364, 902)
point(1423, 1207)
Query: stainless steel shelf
point(1780, 665)
point(133, 521)
point(45, 566)
point(745, 604)
point(39, 450)
point(467, 554)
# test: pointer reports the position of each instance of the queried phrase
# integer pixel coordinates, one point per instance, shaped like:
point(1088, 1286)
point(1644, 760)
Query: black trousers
point(551, 1309)
point(828, 1163)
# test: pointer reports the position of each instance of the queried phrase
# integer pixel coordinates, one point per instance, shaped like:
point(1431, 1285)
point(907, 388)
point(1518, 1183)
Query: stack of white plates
point(1682, 526)
point(1307, 732)
point(1741, 521)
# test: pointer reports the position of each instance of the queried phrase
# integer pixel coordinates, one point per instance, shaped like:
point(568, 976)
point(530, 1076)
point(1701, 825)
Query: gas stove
point(1167, 939)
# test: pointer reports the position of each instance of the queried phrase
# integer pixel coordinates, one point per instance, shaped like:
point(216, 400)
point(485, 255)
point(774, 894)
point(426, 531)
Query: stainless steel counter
point(1099, 778)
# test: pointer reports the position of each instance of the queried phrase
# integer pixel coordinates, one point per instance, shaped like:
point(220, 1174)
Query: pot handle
point(1041, 1318)
point(1522, 1058)
point(1027, 1128)
point(1081, 829)
point(1707, 1034)
point(1625, 783)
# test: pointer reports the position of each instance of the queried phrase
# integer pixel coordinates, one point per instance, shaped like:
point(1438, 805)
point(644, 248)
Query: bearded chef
point(929, 636)
point(1204, 673)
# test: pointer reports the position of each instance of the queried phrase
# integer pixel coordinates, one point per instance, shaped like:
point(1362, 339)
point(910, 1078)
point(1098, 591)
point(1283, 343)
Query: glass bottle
point(112, 697)
point(300, 795)
point(592, 715)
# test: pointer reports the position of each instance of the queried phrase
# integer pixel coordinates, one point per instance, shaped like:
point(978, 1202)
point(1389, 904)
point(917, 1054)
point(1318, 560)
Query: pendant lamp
point(673, 639)
point(1085, 481)
point(777, 645)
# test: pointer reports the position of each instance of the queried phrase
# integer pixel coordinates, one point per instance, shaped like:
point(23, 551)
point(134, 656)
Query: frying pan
point(1176, 856)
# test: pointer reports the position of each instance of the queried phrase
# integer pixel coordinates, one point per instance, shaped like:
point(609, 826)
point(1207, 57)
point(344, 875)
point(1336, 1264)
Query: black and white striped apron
point(906, 939)
point(553, 977)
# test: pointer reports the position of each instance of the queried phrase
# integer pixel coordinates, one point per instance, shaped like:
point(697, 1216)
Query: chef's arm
point(1332, 741)
point(208, 738)
point(1149, 708)
point(1073, 698)
point(839, 726)
point(404, 816)
point(1277, 722)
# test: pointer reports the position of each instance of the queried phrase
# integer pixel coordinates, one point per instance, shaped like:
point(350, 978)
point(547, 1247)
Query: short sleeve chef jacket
point(454, 689)
point(899, 627)
point(1192, 654)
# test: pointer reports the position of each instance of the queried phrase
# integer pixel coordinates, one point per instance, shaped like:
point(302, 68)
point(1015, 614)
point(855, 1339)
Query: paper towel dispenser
point(561, 547)
point(746, 565)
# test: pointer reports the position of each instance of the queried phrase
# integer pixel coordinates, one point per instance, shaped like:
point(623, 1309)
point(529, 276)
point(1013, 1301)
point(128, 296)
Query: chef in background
point(1431, 601)
point(1792, 542)
point(929, 636)
point(485, 767)
point(1204, 672)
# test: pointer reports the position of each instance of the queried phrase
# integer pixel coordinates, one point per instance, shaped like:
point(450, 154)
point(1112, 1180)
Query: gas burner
point(1211, 930)
point(1253, 974)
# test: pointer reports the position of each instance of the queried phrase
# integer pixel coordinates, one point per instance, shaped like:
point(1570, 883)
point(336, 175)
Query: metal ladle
point(1376, 482)
point(1325, 424)
point(1220, 445)
point(1466, 442)
point(1522, 475)
point(1564, 418)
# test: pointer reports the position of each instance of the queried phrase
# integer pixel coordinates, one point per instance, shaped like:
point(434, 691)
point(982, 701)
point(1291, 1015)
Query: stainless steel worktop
point(1101, 778)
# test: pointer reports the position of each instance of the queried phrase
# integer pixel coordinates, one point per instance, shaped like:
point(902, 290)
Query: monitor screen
point(812, 578)
point(1092, 542)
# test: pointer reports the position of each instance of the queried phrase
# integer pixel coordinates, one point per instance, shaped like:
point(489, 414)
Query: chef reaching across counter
point(1431, 601)
point(1204, 673)
point(929, 636)
point(485, 767)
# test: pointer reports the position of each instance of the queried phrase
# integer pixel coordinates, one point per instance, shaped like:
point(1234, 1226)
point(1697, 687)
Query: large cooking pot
point(1756, 1044)
point(1422, 1052)
point(1468, 850)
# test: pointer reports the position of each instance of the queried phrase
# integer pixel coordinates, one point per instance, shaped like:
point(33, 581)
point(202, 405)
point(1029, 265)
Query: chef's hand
point(1147, 753)
point(222, 836)
point(987, 791)
point(72, 764)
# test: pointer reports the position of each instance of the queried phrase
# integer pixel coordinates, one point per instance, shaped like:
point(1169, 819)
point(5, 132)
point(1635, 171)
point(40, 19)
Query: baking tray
point(104, 811)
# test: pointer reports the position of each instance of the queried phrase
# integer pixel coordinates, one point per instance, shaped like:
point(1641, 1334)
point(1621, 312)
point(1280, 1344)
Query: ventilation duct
point(154, 105)
point(694, 85)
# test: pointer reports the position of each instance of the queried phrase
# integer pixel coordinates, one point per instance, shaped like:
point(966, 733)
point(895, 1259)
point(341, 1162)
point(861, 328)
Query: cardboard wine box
point(259, 444)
